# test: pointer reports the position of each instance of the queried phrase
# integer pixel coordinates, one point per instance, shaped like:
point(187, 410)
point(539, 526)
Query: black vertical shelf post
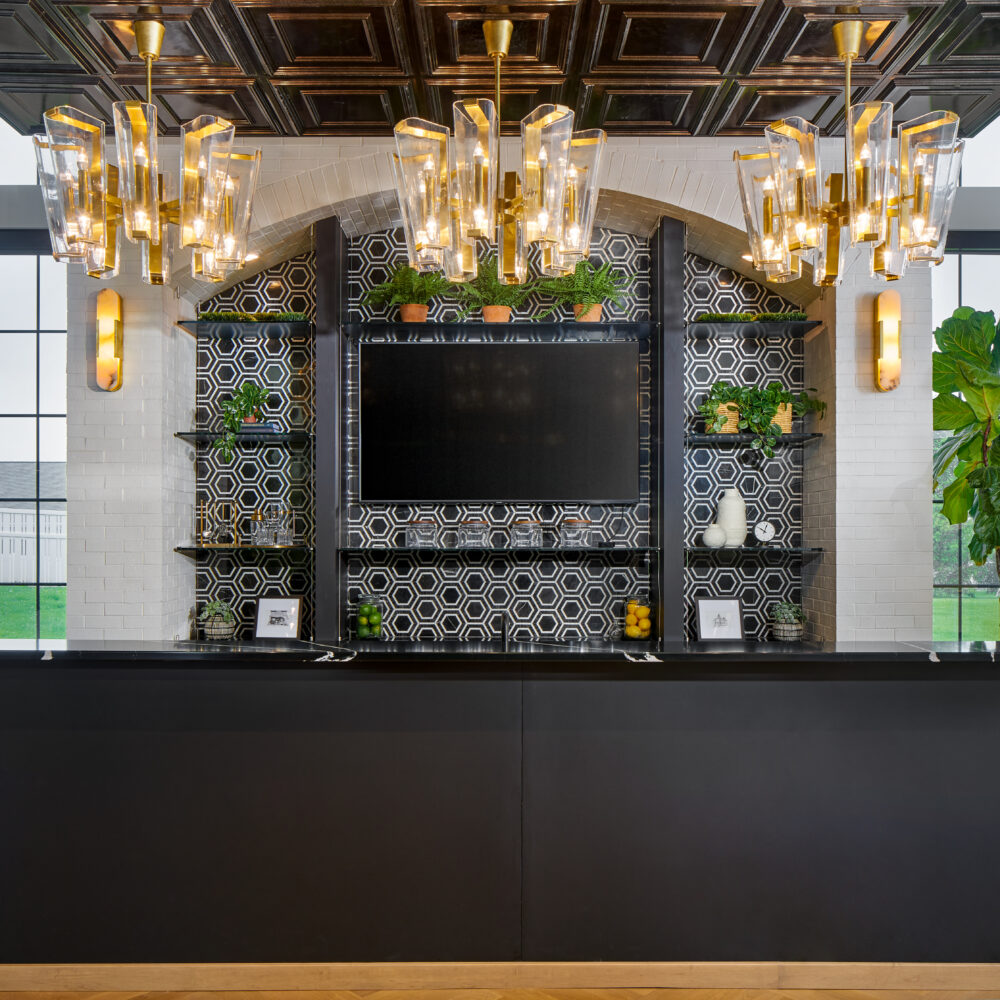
point(668, 424)
point(331, 313)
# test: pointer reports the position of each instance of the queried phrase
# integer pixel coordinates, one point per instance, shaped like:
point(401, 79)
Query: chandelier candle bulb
point(138, 165)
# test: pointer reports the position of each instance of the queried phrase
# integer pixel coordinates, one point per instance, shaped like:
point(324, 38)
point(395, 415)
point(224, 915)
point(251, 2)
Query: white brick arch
point(637, 189)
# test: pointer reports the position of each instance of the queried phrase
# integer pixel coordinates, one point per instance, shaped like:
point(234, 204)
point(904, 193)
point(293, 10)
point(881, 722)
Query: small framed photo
point(278, 618)
point(719, 619)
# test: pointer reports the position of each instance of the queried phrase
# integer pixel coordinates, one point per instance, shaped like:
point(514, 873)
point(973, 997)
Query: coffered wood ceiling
point(633, 67)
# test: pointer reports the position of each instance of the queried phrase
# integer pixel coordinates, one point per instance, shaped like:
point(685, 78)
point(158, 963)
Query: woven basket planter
point(787, 631)
point(731, 414)
point(783, 418)
point(217, 629)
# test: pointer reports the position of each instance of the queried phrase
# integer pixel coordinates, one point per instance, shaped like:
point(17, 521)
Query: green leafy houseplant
point(757, 408)
point(407, 287)
point(218, 619)
point(787, 621)
point(966, 378)
point(486, 290)
point(245, 406)
point(587, 286)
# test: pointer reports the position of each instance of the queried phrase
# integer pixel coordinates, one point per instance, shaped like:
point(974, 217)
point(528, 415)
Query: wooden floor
point(550, 994)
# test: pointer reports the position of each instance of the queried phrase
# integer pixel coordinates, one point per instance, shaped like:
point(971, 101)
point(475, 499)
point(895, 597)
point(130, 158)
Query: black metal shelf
point(585, 331)
point(247, 437)
point(790, 329)
point(193, 550)
point(497, 550)
point(225, 330)
point(757, 550)
point(735, 440)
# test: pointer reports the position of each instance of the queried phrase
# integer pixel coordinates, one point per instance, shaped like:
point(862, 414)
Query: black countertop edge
point(678, 660)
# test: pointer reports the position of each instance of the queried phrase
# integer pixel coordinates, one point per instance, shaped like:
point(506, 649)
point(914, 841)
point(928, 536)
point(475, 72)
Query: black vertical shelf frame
point(331, 311)
point(667, 266)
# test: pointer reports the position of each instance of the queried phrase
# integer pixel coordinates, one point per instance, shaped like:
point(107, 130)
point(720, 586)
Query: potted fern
point(586, 289)
point(218, 621)
point(488, 293)
point(246, 406)
point(411, 290)
point(787, 621)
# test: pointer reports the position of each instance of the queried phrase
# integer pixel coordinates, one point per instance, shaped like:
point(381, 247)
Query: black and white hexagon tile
point(772, 489)
point(259, 475)
point(458, 596)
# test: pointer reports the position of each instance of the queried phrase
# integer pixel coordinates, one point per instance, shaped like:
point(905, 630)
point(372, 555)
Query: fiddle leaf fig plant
point(966, 378)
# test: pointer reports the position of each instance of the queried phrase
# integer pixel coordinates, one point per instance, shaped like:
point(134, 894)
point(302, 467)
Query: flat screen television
point(542, 423)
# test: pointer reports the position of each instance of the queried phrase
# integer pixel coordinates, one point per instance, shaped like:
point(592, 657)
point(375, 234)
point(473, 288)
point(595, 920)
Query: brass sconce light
point(888, 337)
point(109, 340)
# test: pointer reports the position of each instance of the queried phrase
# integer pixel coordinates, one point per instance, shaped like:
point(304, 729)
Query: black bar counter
point(188, 802)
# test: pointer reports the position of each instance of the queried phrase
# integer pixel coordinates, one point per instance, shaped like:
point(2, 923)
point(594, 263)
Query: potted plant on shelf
point(787, 621)
point(218, 621)
point(228, 316)
point(766, 412)
point(586, 289)
point(411, 291)
point(245, 407)
point(488, 293)
point(751, 317)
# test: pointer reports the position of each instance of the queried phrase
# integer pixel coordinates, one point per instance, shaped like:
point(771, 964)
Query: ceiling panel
point(634, 67)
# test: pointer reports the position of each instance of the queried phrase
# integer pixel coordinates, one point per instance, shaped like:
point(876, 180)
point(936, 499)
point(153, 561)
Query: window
point(979, 161)
point(965, 595)
point(32, 448)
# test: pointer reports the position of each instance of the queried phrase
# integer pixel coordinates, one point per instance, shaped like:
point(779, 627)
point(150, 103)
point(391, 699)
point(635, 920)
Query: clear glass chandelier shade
point(51, 198)
point(206, 267)
point(787, 268)
point(828, 258)
point(512, 248)
point(104, 261)
point(869, 152)
point(138, 167)
point(76, 145)
point(761, 207)
point(422, 164)
point(554, 264)
point(425, 258)
point(546, 134)
point(476, 162)
point(936, 174)
point(586, 150)
point(157, 258)
point(889, 258)
point(237, 208)
point(919, 172)
point(458, 260)
point(798, 177)
point(206, 143)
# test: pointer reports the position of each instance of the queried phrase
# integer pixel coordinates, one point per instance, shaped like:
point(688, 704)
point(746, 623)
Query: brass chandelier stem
point(148, 30)
point(149, 79)
point(497, 35)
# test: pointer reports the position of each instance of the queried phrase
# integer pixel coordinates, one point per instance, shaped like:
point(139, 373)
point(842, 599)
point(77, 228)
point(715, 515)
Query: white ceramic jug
point(733, 518)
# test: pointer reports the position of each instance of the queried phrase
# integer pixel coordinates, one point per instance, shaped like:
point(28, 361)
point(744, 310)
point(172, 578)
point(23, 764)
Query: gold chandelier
point(451, 191)
point(898, 205)
point(89, 202)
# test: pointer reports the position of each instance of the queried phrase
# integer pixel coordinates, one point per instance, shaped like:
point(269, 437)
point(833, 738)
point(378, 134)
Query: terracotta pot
point(496, 314)
point(592, 315)
point(252, 419)
point(412, 313)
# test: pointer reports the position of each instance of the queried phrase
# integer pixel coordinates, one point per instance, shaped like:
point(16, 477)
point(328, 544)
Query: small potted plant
point(721, 409)
point(246, 406)
point(766, 412)
point(586, 289)
point(411, 291)
point(787, 621)
point(218, 621)
point(489, 294)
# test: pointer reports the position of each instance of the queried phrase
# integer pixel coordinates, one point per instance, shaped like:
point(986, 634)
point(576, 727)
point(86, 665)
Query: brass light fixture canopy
point(148, 30)
point(498, 35)
point(847, 37)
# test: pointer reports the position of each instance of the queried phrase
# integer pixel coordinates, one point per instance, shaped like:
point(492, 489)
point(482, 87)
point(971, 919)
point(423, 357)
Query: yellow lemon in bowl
point(632, 631)
point(631, 619)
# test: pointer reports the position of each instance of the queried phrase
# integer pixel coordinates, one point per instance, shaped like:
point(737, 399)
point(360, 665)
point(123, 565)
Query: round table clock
point(764, 532)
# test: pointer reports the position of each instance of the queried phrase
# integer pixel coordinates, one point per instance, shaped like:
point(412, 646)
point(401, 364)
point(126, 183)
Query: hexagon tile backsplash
point(458, 596)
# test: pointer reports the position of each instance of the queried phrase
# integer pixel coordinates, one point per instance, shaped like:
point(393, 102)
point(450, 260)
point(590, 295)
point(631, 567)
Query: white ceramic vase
point(714, 536)
point(733, 518)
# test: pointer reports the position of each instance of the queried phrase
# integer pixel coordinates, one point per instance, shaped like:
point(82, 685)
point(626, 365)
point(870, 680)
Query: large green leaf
point(972, 449)
point(952, 413)
point(944, 369)
point(978, 375)
point(984, 400)
point(957, 500)
point(968, 336)
point(947, 450)
point(986, 526)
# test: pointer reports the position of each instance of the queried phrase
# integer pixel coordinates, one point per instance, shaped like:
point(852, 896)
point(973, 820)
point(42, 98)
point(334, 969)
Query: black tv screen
point(500, 422)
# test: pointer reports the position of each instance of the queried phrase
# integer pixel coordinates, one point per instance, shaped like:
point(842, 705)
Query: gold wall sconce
point(888, 338)
point(109, 340)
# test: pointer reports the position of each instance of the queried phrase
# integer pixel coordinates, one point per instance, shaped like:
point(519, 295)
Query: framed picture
point(278, 618)
point(719, 619)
